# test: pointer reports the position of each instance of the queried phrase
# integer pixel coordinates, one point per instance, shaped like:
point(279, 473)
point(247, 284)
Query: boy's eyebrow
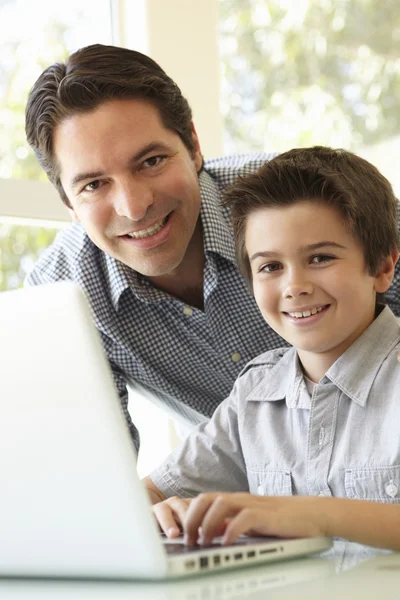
point(152, 147)
point(308, 248)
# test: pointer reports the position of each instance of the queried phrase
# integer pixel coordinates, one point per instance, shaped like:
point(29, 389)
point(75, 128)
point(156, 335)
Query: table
point(348, 571)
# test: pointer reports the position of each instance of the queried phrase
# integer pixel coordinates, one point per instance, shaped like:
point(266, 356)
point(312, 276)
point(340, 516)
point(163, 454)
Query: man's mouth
point(308, 312)
point(152, 230)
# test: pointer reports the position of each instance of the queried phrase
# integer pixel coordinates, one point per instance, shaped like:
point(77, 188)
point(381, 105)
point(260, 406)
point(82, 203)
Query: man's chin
point(154, 270)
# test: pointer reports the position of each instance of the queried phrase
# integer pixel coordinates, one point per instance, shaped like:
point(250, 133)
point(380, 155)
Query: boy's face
point(310, 279)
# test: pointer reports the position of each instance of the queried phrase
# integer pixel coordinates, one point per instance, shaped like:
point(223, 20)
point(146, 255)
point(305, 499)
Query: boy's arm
point(369, 523)
point(210, 458)
point(154, 493)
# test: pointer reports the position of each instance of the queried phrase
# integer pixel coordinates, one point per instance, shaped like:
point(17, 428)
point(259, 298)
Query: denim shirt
point(270, 437)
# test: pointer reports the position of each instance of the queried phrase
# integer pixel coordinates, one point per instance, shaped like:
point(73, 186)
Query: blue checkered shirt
point(188, 358)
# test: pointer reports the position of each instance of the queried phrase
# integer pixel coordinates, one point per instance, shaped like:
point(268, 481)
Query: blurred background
point(260, 75)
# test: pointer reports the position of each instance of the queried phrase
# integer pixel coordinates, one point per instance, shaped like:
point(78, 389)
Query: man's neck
point(186, 281)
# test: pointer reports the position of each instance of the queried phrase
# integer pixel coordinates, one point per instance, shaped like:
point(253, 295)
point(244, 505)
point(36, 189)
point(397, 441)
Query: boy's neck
point(316, 364)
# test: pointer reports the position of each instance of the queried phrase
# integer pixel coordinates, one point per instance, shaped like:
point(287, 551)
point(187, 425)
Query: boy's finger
point(170, 515)
point(195, 515)
point(166, 520)
point(216, 518)
point(208, 512)
point(250, 521)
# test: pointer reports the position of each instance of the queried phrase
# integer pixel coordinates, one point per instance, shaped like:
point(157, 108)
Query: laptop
point(71, 502)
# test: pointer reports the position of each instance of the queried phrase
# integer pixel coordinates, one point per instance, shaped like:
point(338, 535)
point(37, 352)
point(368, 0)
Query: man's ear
point(197, 155)
point(384, 276)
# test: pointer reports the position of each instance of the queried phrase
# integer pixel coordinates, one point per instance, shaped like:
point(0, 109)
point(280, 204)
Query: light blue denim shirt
point(270, 437)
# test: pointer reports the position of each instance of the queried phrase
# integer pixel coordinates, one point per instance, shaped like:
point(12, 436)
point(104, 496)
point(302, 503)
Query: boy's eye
point(270, 267)
point(321, 258)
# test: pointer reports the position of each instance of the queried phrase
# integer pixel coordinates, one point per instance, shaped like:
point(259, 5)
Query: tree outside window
point(312, 72)
point(34, 35)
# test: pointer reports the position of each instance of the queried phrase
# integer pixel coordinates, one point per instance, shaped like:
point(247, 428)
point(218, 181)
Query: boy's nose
point(298, 285)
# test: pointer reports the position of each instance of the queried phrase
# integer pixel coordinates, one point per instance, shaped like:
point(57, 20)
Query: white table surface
point(349, 572)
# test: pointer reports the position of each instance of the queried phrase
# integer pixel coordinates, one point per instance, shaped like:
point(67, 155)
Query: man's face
point(310, 279)
point(131, 182)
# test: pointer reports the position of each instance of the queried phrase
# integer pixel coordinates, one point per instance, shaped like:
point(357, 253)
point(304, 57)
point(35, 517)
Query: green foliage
point(20, 247)
point(22, 63)
point(304, 72)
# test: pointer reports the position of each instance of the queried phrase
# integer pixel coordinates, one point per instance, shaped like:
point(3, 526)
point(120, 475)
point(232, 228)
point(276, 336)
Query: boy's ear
point(73, 215)
point(385, 273)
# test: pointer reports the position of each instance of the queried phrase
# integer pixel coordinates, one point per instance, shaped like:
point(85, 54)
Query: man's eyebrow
point(308, 248)
point(152, 147)
point(85, 176)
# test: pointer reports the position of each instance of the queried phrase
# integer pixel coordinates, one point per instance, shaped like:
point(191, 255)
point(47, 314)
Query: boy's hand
point(171, 514)
point(283, 516)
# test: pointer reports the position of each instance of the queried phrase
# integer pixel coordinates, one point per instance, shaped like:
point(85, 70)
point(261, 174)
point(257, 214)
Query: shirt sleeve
point(210, 459)
point(120, 384)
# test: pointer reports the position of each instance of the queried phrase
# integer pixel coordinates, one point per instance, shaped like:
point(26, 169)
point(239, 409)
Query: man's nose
point(132, 200)
point(298, 283)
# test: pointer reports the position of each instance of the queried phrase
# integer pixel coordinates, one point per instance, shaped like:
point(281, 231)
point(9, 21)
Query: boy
point(316, 238)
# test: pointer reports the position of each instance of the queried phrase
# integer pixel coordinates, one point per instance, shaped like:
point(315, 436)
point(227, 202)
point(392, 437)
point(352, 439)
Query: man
point(151, 245)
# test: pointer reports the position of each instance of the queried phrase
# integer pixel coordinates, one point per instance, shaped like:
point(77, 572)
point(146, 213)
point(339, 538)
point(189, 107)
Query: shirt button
point(392, 490)
point(187, 311)
point(236, 357)
point(260, 490)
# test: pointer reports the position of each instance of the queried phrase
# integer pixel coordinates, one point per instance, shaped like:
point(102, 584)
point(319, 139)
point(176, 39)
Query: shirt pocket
point(263, 482)
point(381, 484)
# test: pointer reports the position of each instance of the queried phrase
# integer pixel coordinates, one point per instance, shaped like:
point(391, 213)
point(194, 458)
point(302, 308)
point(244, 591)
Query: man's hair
point(356, 189)
point(90, 77)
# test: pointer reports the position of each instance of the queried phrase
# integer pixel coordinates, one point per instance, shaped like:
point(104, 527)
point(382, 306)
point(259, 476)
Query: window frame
point(147, 25)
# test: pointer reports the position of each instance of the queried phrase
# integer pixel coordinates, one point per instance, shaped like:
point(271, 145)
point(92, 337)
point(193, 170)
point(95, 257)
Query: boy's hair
point(355, 188)
point(90, 77)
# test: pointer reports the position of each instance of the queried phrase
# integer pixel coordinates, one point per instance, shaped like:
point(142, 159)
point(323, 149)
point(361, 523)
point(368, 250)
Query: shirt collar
point(215, 220)
point(217, 236)
point(353, 373)
point(120, 278)
point(284, 381)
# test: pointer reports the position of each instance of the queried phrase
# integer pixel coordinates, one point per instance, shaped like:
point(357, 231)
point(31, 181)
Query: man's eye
point(153, 161)
point(92, 186)
point(270, 267)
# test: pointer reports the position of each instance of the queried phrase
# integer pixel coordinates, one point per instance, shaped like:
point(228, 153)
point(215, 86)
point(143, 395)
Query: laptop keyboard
point(180, 548)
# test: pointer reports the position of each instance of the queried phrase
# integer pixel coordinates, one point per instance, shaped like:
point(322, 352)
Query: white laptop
point(71, 502)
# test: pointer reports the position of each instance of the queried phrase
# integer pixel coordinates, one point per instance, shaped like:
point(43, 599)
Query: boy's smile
point(310, 280)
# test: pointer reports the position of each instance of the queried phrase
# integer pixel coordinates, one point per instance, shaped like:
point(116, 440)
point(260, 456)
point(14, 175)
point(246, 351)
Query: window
point(32, 36)
point(312, 73)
